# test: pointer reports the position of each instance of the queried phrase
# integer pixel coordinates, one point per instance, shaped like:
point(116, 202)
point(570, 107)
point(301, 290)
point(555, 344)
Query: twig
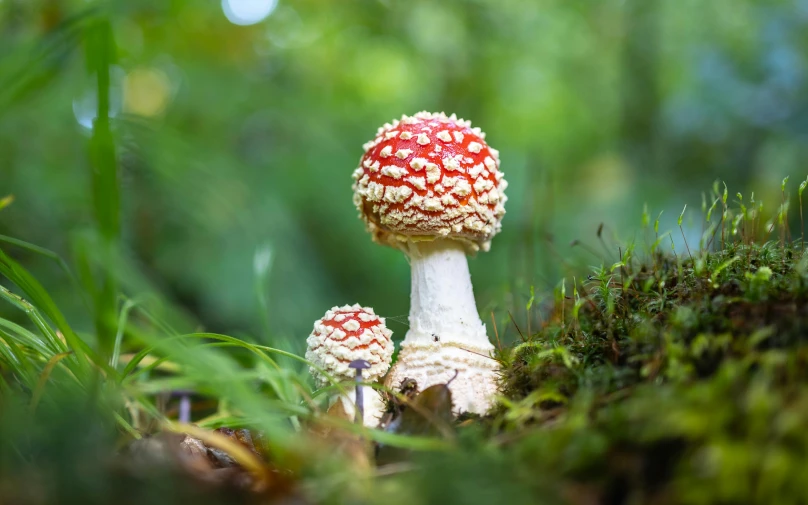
point(517, 327)
point(496, 333)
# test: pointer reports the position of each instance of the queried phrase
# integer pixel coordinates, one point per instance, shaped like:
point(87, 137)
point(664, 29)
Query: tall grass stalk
point(100, 55)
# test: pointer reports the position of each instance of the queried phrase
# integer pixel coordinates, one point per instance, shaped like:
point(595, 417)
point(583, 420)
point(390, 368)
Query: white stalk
point(442, 300)
point(446, 334)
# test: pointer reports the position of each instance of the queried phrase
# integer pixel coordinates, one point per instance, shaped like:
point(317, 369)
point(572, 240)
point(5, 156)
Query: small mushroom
point(430, 185)
point(184, 415)
point(359, 365)
point(348, 343)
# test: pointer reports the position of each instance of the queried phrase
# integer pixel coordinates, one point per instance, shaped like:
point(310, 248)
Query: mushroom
point(343, 337)
point(430, 185)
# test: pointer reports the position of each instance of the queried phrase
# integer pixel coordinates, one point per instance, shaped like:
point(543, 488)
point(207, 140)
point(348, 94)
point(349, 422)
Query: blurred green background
point(237, 124)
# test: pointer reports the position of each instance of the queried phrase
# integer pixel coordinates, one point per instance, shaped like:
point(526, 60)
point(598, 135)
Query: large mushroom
point(430, 185)
point(344, 336)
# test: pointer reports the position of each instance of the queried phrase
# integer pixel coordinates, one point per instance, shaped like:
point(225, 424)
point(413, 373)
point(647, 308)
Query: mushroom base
point(430, 363)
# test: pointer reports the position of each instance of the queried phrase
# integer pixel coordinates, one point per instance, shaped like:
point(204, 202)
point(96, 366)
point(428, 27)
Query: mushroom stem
point(185, 409)
point(442, 302)
point(360, 397)
point(446, 336)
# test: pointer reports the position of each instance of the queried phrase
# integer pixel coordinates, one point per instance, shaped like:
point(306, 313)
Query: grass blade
point(43, 378)
point(40, 298)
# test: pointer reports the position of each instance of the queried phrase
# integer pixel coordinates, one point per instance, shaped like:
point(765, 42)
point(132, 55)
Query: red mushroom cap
point(346, 334)
point(427, 176)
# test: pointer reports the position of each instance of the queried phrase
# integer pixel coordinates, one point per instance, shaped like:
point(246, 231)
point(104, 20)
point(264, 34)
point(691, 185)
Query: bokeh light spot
point(248, 12)
point(146, 92)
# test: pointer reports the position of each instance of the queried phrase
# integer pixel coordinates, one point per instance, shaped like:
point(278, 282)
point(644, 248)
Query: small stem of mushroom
point(360, 403)
point(185, 409)
point(372, 405)
point(442, 306)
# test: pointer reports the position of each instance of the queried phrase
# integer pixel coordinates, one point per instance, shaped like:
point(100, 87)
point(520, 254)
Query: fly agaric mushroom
point(431, 186)
point(343, 336)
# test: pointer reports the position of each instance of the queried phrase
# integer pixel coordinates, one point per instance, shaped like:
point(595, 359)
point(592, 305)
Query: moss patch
point(673, 380)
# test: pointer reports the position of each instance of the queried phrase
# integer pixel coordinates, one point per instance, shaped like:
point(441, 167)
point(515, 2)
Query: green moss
point(680, 380)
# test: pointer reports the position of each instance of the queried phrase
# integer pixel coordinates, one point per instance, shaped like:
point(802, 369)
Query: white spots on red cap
point(371, 165)
point(432, 204)
point(397, 194)
point(449, 200)
point(375, 192)
point(367, 146)
point(432, 173)
point(482, 185)
point(417, 201)
point(351, 325)
point(438, 177)
point(462, 188)
point(394, 171)
point(492, 197)
point(451, 163)
point(418, 163)
point(418, 183)
point(476, 170)
point(345, 334)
